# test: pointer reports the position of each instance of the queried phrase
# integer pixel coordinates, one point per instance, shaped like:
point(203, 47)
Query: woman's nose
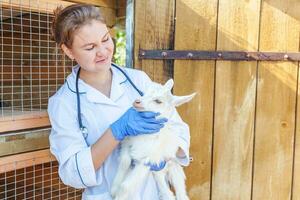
point(100, 51)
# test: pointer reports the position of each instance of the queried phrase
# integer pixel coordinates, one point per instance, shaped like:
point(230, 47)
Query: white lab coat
point(73, 150)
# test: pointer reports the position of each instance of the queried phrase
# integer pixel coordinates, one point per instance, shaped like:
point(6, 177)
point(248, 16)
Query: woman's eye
point(105, 40)
point(91, 48)
point(157, 101)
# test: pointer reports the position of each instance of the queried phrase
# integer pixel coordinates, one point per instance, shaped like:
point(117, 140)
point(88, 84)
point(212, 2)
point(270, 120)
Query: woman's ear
point(67, 51)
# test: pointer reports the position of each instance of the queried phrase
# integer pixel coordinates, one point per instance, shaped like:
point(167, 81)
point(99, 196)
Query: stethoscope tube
point(82, 128)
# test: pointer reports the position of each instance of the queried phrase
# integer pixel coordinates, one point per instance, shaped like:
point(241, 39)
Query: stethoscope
point(82, 128)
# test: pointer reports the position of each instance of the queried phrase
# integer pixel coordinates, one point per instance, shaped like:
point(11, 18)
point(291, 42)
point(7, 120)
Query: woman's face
point(92, 47)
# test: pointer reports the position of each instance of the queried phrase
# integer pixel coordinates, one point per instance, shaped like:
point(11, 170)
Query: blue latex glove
point(155, 167)
point(133, 123)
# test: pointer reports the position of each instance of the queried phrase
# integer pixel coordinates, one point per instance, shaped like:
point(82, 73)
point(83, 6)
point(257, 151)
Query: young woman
point(92, 112)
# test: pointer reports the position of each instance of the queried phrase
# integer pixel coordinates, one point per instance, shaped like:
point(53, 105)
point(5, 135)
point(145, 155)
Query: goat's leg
point(123, 169)
point(176, 177)
point(135, 178)
point(164, 188)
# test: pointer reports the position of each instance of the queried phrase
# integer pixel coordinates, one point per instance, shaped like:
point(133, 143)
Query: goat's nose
point(137, 104)
point(137, 101)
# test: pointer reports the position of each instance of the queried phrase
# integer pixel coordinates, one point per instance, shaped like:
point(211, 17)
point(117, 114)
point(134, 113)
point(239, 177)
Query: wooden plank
point(154, 26)
point(109, 15)
point(42, 6)
point(107, 7)
point(296, 175)
point(24, 141)
point(238, 28)
point(47, 5)
point(276, 99)
point(101, 3)
point(23, 160)
point(121, 8)
point(192, 17)
point(24, 121)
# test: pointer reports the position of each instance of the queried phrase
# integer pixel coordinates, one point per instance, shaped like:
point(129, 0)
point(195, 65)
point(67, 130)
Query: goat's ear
point(169, 84)
point(179, 100)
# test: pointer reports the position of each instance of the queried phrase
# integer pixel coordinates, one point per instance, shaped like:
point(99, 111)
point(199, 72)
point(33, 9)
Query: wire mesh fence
point(33, 176)
point(31, 66)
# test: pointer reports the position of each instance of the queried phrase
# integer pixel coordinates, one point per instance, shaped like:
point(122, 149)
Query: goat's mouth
point(140, 109)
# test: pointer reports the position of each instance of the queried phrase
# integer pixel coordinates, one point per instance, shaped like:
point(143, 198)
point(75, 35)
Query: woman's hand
point(155, 167)
point(133, 123)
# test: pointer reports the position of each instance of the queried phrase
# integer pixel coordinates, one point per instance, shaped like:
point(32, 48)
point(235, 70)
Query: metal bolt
point(219, 54)
point(189, 55)
point(248, 55)
point(286, 56)
point(164, 54)
point(143, 53)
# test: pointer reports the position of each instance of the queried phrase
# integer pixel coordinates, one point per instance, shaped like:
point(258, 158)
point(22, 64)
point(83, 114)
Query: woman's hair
point(69, 19)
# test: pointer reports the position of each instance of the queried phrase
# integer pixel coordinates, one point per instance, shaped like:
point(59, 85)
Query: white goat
point(152, 148)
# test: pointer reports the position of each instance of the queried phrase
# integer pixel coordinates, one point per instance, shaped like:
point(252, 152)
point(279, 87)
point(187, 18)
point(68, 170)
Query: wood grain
point(276, 100)
point(196, 29)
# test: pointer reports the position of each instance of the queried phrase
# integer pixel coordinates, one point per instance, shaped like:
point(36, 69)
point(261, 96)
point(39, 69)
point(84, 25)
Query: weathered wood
point(276, 99)
point(107, 7)
point(19, 161)
point(24, 142)
point(121, 8)
point(238, 28)
point(46, 5)
point(192, 17)
point(101, 3)
point(24, 120)
point(42, 6)
point(296, 175)
point(154, 26)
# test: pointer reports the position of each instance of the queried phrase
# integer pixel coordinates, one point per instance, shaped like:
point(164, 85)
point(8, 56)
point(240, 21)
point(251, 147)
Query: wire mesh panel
point(33, 176)
point(31, 66)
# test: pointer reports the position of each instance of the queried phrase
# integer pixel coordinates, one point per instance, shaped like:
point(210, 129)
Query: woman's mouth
point(103, 60)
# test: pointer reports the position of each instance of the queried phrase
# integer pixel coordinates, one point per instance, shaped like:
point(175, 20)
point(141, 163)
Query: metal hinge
point(217, 55)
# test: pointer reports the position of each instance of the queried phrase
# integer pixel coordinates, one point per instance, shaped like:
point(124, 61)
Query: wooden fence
point(244, 120)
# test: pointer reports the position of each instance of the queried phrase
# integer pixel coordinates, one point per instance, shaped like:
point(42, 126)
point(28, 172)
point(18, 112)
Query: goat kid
point(153, 148)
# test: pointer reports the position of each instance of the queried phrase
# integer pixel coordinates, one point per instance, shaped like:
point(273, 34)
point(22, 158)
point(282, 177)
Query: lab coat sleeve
point(68, 145)
point(180, 128)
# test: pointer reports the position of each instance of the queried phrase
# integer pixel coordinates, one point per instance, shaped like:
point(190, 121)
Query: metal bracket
point(217, 55)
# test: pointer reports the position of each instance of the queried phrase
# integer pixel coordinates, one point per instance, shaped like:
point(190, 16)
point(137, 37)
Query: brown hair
point(66, 21)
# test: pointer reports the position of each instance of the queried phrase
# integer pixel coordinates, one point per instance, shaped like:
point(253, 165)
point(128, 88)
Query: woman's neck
point(101, 80)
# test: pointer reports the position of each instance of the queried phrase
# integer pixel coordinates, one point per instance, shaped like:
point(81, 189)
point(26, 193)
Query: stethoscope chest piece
point(84, 131)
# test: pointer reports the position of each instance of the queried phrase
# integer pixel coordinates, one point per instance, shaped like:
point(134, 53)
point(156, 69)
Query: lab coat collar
point(71, 81)
point(92, 94)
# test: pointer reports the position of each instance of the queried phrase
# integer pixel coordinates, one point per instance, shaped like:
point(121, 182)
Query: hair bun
point(54, 35)
point(68, 19)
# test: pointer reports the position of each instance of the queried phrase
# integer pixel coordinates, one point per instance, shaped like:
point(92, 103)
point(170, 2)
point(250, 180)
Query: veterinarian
point(92, 112)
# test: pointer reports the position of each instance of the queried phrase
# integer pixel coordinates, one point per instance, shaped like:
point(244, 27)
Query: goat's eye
point(157, 101)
